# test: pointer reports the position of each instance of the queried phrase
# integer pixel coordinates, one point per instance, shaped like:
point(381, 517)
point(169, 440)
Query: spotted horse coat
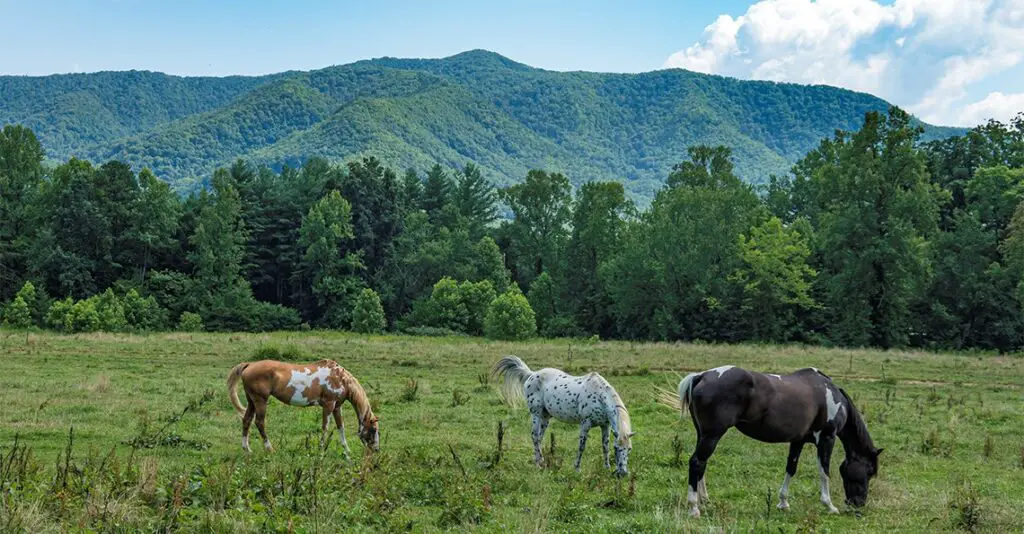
point(588, 400)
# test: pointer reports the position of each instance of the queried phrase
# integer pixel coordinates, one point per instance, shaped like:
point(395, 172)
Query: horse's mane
point(855, 430)
point(357, 395)
point(624, 426)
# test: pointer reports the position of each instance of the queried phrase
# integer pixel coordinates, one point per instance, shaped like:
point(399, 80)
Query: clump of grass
point(484, 379)
point(459, 398)
point(933, 444)
point(677, 451)
point(988, 447)
point(411, 391)
point(287, 353)
point(967, 511)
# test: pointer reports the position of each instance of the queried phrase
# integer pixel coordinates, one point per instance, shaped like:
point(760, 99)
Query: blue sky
point(948, 61)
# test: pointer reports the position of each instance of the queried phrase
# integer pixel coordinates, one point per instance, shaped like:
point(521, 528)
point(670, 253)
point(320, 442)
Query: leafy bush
point(57, 314)
point(17, 314)
point(33, 313)
point(143, 313)
point(270, 317)
point(83, 317)
point(190, 322)
point(456, 306)
point(510, 317)
point(288, 353)
point(476, 297)
point(368, 314)
point(110, 311)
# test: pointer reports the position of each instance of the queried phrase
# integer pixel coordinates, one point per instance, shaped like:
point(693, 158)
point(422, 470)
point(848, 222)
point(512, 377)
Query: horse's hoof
point(695, 513)
point(833, 510)
point(783, 506)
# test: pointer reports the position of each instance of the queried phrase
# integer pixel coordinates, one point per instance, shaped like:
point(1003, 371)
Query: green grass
point(933, 413)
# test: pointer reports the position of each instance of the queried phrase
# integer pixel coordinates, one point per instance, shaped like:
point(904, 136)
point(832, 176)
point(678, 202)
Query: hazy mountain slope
point(477, 106)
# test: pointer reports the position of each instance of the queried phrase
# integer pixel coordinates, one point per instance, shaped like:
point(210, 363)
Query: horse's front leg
point(791, 463)
point(339, 421)
point(540, 424)
point(584, 430)
point(604, 445)
point(825, 444)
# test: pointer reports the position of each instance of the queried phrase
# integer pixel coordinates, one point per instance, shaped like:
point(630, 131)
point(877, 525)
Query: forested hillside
point(874, 238)
point(476, 107)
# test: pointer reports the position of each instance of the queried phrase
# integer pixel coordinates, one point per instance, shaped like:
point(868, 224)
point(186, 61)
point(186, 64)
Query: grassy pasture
point(952, 426)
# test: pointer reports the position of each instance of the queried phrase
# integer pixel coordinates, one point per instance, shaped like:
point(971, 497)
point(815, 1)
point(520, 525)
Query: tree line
point(874, 238)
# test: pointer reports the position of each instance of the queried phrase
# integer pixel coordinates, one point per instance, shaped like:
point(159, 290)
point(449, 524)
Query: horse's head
point(623, 444)
point(857, 470)
point(369, 432)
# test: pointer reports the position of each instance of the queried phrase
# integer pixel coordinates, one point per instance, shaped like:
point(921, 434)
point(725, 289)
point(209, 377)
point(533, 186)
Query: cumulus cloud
point(930, 56)
point(996, 105)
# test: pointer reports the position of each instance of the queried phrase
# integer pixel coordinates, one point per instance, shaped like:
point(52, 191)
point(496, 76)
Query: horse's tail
point(514, 374)
point(681, 400)
point(686, 390)
point(233, 377)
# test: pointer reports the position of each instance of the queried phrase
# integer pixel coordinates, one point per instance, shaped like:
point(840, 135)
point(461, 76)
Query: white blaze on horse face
point(817, 436)
point(302, 380)
point(833, 405)
point(721, 370)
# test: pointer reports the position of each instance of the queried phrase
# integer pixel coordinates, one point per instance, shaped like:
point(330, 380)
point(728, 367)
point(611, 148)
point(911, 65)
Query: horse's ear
point(878, 451)
point(631, 434)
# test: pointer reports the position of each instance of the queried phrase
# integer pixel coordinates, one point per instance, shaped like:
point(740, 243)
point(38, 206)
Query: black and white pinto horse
point(803, 407)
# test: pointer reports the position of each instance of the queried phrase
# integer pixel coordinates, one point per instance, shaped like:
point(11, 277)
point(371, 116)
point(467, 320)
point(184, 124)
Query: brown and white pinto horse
point(324, 383)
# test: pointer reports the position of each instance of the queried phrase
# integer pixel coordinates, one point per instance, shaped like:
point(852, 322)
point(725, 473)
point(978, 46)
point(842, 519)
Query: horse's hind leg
point(584, 430)
point(250, 412)
point(540, 425)
point(261, 416)
point(698, 465)
point(339, 421)
point(328, 408)
point(791, 463)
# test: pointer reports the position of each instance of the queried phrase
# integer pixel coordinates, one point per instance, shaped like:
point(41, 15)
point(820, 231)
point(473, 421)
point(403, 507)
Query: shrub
point(36, 303)
point(268, 317)
point(57, 314)
point(190, 322)
point(110, 311)
point(476, 297)
point(460, 307)
point(143, 313)
point(510, 317)
point(17, 314)
point(83, 317)
point(368, 314)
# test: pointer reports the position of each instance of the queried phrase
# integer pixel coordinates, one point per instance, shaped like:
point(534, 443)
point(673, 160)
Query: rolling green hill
point(476, 106)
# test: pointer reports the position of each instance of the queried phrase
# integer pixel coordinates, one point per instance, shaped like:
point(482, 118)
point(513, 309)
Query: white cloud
point(930, 56)
point(996, 105)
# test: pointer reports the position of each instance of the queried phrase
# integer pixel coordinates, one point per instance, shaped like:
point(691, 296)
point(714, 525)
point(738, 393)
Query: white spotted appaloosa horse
point(802, 407)
point(589, 400)
point(324, 383)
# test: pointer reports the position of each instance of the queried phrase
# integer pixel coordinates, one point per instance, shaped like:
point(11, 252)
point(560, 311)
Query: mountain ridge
point(477, 106)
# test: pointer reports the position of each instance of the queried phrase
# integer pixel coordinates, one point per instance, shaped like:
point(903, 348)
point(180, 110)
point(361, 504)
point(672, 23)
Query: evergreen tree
point(330, 266)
